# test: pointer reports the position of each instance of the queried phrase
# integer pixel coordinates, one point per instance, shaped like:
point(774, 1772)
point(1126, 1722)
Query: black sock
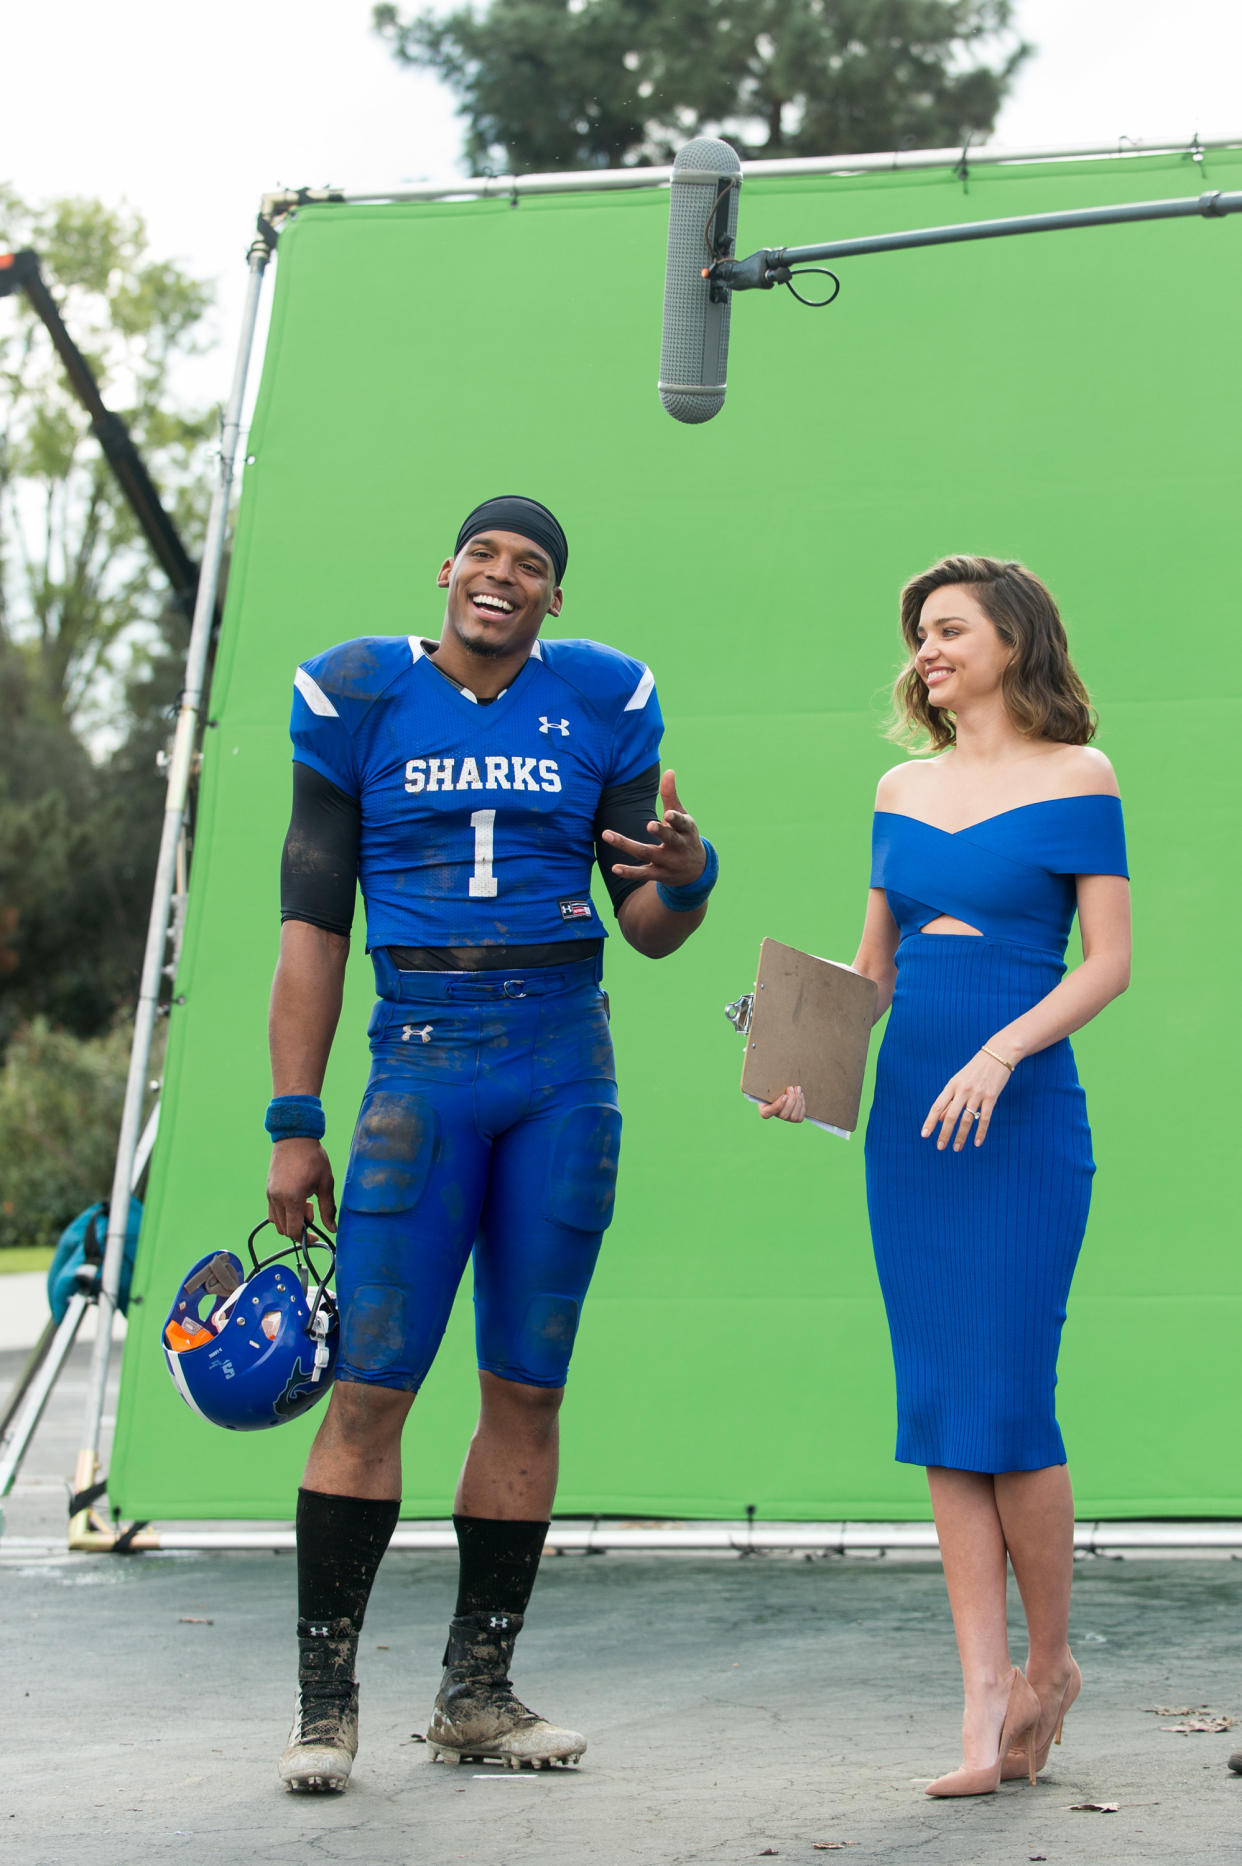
point(341, 1541)
point(499, 1562)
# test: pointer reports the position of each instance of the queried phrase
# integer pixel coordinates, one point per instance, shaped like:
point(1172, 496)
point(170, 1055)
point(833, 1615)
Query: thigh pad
point(549, 1201)
point(394, 1147)
point(582, 1170)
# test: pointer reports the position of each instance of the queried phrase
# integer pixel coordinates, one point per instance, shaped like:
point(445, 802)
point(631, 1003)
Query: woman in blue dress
point(978, 1151)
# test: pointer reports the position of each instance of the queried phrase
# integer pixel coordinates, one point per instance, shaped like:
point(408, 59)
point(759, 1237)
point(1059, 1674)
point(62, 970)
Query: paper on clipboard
point(810, 1023)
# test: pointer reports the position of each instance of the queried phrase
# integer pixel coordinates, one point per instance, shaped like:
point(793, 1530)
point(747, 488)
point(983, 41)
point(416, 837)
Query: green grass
point(26, 1257)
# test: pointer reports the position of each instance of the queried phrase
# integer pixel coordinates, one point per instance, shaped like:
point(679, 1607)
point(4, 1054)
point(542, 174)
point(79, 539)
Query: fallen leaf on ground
point(416, 1736)
point(831, 1846)
point(1095, 1807)
point(768, 1852)
point(194, 1619)
point(381, 1648)
point(1195, 1726)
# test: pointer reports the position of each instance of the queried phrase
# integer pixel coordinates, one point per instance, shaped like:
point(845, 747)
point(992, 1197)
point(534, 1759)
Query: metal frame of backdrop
point(88, 1528)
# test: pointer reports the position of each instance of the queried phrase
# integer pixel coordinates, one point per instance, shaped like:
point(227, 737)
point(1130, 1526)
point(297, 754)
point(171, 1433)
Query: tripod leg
point(34, 1388)
point(22, 1383)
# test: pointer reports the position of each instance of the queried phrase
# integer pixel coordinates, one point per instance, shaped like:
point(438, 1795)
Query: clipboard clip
point(739, 1012)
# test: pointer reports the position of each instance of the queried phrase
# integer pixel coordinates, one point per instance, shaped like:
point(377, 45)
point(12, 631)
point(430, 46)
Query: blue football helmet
point(265, 1349)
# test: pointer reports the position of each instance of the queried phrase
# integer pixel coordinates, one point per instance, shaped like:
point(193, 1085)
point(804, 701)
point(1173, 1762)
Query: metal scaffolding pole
point(595, 180)
point(771, 265)
point(1091, 1537)
point(179, 772)
point(24, 1408)
point(44, 1370)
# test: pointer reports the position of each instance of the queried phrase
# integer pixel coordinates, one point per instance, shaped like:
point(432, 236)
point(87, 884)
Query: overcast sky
point(190, 113)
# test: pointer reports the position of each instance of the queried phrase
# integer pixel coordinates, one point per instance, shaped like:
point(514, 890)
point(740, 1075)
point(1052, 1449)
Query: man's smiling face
point(500, 587)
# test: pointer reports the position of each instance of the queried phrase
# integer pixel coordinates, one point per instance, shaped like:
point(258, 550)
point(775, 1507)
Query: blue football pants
point(489, 1124)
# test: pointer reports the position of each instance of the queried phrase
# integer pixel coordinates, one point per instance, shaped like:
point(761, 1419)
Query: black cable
point(712, 253)
point(816, 304)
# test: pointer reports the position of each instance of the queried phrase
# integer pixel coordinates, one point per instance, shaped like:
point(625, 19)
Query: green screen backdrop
point(1068, 399)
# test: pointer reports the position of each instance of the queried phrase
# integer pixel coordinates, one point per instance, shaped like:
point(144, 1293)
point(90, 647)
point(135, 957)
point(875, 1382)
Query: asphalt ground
point(736, 1707)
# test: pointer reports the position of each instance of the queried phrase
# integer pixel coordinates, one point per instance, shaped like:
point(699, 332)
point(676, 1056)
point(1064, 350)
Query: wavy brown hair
point(1042, 691)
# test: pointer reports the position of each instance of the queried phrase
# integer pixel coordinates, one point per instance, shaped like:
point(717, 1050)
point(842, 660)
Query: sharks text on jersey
point(487, 773)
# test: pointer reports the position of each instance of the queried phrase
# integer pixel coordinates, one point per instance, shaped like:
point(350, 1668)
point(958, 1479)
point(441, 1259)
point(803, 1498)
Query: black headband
point(527, 518)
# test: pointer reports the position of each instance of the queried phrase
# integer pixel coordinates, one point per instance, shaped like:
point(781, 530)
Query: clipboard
point(807, 1021)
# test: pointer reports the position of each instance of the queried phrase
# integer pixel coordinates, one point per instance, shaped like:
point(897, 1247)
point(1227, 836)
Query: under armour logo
point(410, 1031)
point(554, 725)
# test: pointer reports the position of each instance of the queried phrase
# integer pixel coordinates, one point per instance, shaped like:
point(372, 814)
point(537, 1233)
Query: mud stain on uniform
point(374, 1329)
point(583, 1181)
point(394, 1146)
point(353, 672)
point(553, 1320)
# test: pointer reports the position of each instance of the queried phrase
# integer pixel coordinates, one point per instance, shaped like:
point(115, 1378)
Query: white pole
point(26, 1419)
point(571, 181)
point(179, 767)
point(1090, 1537)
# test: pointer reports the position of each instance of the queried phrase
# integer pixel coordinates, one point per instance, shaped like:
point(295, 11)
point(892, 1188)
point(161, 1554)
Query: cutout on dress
point(946, 923)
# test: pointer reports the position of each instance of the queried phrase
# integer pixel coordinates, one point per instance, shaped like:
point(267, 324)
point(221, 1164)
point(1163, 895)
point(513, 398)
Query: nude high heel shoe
point(1018, 1729)
point(1015, 1761)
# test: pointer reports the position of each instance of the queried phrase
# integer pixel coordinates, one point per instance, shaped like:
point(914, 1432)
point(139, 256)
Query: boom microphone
point(702, 227)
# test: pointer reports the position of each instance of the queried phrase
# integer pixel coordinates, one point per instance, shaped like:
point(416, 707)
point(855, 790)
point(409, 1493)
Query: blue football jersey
point(477, 821)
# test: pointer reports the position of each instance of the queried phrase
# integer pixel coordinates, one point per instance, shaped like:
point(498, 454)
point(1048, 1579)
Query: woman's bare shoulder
point(1082, 771)
point(903, 783)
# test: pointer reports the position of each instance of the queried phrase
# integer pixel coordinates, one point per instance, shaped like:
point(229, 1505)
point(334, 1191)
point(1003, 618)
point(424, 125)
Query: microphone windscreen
point(695, 345)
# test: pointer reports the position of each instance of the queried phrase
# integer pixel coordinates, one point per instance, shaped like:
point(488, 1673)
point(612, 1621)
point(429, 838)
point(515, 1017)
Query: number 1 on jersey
point(482, 881)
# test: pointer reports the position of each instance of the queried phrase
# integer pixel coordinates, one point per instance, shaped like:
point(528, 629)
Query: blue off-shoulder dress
point(975, 1250)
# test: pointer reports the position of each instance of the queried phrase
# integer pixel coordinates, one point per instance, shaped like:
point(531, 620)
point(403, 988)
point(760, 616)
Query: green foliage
point(90, 654)
point(78, 842)
point(550, 84)
point(60, 1109)
point(79, 590)
point(21, 1257)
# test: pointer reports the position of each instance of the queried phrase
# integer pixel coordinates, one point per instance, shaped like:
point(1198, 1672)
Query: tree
point(78, 842)
point(90, 656)
point(78, 586)
point(549, 84)
point(60, 1107)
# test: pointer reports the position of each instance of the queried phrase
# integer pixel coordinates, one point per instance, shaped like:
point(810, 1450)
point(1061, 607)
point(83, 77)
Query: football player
point(467, 784)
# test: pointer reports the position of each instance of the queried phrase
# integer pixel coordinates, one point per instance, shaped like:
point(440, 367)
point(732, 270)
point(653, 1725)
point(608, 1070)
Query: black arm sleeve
point(319, 862)
point(627, 808)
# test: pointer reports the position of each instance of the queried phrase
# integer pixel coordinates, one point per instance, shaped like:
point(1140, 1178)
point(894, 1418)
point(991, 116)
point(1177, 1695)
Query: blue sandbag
point(83, 1242)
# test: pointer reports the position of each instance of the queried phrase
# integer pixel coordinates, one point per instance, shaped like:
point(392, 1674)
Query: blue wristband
point(295, 1117)
point(685, 900)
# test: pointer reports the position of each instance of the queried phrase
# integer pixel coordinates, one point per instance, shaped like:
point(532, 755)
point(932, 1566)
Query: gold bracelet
point(996, 1058)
